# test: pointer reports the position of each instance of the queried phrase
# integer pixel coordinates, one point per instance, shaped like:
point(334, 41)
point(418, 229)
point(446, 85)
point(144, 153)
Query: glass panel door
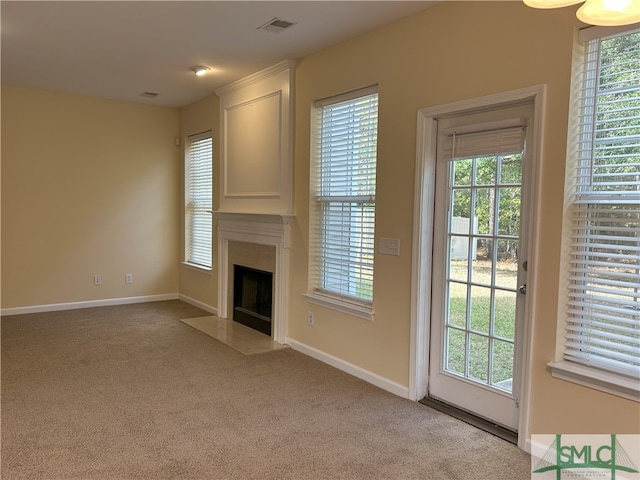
point(479, 267)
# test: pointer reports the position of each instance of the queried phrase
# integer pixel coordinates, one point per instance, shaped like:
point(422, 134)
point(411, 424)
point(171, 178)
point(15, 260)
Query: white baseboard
point(53, 307)
point(528, 445)
point(199, 304)
point(350, 368)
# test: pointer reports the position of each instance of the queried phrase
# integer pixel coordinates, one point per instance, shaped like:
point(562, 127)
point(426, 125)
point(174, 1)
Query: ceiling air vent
point(276, 25)
point(146, 94)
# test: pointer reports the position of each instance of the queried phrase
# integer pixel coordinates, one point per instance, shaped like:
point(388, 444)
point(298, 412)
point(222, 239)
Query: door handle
point(523, 289)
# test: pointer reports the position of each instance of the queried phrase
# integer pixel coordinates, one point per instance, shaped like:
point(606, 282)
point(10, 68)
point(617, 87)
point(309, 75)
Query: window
point(344, 194)
point(198, 200)
point(602, 328)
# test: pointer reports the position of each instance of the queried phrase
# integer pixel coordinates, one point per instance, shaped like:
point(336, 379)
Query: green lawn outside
point(484, 337)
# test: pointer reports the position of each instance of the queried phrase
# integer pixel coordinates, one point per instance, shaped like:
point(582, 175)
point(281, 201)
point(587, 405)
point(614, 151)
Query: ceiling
point(119, 49)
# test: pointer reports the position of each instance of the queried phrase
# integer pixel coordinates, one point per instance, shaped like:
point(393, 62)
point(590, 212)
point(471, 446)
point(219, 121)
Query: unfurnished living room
point(320, 240)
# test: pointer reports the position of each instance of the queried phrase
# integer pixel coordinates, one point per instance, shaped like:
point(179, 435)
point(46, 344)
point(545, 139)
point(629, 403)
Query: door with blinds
point(479, 262)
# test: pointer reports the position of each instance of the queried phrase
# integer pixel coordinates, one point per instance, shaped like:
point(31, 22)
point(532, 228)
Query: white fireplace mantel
point(262, 229)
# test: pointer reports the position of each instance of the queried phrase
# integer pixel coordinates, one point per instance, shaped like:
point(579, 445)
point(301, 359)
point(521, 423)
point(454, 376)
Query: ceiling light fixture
point(200, 70)
point(597, 12)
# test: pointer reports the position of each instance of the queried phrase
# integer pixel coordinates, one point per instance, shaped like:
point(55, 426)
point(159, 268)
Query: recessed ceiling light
point(200, 70)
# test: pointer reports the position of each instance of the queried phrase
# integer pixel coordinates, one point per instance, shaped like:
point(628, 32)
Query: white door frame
point(423, 240)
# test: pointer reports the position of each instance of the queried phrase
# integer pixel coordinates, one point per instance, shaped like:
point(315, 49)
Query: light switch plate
point(389, 246)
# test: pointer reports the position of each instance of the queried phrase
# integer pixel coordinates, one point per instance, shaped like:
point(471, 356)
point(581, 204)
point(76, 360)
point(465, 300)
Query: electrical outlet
point(310, 319)
point(128, 278)
point(97, 279)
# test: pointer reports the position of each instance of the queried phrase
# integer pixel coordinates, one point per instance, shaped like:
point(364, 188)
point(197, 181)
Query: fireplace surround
point(259, 241)
point(256, 184)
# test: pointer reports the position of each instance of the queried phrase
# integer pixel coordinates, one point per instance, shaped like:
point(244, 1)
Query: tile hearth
point(233, 334)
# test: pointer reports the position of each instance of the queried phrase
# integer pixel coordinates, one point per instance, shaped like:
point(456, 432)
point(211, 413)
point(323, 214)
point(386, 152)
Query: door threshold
point(478, 422)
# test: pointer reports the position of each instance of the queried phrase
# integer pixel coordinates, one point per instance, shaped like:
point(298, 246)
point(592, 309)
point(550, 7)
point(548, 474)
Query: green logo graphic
point(610, 457)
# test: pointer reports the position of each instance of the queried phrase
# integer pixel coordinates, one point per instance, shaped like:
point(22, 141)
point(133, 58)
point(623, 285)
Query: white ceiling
point(118, 49)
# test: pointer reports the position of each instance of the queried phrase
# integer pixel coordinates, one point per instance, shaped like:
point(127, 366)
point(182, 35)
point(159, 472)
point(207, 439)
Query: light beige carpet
point(130, 392)
point(236, 335)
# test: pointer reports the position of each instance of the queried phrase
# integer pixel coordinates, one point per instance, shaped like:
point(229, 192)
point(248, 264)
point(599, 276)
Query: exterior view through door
point(479, 262)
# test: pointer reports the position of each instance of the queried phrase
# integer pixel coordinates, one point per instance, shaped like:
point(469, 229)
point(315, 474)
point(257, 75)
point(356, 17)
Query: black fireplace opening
point(252, 298)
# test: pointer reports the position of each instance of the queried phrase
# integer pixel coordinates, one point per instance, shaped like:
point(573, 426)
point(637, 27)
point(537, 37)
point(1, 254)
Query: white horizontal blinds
point(199, 193)
point(494, 138)
point(603, 328)
point(604, 300)
point(347, 147)
point(609, 120)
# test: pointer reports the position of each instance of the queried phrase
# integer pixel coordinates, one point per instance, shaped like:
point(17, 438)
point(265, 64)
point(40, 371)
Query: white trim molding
point(424, 194)
point(591, 377)
point(359, 310)
point(350, 368)
point(284, 66)
point(261, 229)
point(55, 307)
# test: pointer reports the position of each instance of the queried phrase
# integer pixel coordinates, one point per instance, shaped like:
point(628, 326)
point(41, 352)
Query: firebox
point(252, 298)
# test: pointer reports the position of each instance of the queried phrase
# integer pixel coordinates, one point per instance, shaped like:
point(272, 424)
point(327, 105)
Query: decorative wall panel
point(253, 138)
point(256, 142)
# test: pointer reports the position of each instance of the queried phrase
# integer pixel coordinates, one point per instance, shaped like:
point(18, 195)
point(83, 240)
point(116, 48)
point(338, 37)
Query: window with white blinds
point(345, 193)
point(603, 324)
point(199, 198)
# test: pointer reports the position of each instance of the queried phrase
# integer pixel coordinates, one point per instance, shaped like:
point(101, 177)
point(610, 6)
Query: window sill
point(198, 268)
point(335, 303)
point(618, 385)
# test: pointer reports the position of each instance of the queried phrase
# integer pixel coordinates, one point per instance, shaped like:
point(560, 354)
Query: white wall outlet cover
point(389, 246)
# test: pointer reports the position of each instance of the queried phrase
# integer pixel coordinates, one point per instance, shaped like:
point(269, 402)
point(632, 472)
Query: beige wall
point(197, 284)
point(89, 187)
point(454, 51)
